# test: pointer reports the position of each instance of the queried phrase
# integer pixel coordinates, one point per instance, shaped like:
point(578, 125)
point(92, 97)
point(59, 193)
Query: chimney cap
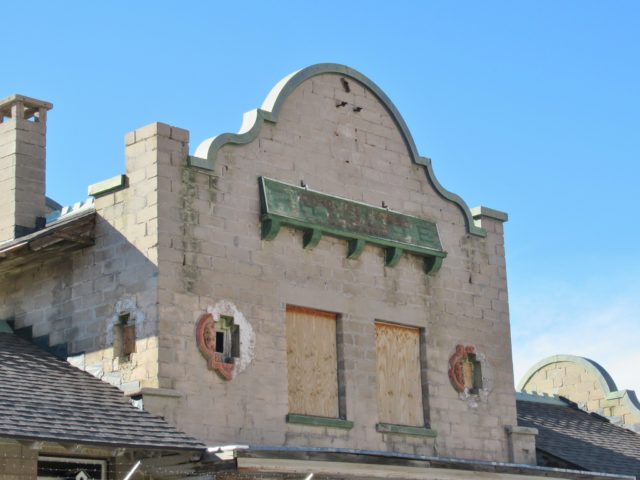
point(27, 101)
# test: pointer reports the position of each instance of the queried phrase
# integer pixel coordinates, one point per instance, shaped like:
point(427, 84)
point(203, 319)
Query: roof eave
point(70, 233)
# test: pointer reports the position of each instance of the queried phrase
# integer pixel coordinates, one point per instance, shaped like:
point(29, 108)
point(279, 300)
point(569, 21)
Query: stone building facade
point(586, 383)
point(304, 283)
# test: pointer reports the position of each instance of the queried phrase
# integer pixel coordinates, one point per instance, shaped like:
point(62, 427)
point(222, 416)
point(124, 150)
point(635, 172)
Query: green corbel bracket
point(355, 248)
point(432, 264)
point(311, 238)
point(270, 228)
point(392, 256)
point(318, 214)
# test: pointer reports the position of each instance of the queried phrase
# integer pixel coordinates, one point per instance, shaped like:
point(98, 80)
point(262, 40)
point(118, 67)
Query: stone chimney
point(23, 128)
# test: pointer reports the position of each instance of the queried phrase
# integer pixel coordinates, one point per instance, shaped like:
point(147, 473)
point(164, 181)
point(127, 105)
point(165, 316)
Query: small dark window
point(220, 342)
point(124, 337)
point(227, 338)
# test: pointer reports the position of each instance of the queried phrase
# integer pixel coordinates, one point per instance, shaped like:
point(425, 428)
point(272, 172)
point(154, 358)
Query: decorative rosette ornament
point(206, 340)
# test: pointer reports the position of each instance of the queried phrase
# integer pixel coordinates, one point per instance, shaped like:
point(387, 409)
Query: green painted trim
point(355, 248)
point(319, 421)
point(206, 153)
point(274, 222)
point(607, 384)
point(406, 430)
point(5, 327)
point(392, 256)
point(110, 185)
point(311, 238)
point(281, 205)
point(530, 397)
point(479, 212)
point(270, 228)
point(432, 264)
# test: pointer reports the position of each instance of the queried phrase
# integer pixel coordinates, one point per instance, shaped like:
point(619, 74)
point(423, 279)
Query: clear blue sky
point(528, 107)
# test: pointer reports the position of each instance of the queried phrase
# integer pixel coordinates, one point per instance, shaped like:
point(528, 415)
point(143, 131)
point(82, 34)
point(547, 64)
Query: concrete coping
point(27, 101)
point(518, 430)
point(107, 186)
point(157, 392)
point(481, 212)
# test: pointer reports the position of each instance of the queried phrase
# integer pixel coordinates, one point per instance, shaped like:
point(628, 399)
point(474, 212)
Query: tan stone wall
point(581, 385)
point(570, 380)
point(210, 250)
point(179, 241)
point(17, 462)
point(619, 411)
point(22, 171)
point(75, 298)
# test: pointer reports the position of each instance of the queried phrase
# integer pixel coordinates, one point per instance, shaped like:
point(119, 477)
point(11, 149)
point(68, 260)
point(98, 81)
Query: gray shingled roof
point(43, 398)
point(579, 438)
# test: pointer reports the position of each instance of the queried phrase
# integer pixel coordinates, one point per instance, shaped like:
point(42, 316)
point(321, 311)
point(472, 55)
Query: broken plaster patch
point(120, 372)
point(247, 335)
point(474, 399)
point(124, 306)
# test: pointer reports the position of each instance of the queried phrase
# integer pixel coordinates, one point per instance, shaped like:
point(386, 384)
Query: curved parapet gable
point(606, 382)
point(621, 406)
point(253, 120)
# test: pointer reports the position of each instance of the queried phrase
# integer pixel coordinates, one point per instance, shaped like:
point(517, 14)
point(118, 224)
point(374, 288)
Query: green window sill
point(319, 421)
point(405, 430)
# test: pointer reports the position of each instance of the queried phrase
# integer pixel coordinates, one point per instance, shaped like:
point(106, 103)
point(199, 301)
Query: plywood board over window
point(312, 362)
point(399, 385)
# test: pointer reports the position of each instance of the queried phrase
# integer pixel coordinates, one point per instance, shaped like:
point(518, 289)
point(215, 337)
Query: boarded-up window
point(312, 363)
point(399, 385)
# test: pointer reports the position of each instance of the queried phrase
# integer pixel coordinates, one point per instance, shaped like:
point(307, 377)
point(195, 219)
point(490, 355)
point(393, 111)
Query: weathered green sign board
point(317, 214)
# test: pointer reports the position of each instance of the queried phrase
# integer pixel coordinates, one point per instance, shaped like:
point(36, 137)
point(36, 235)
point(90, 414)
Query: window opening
point(400, 393)
point(124, 337)
point(472, 373)
point(53, 468)
point(220, 342)
point(227, 338)
point(312, 362)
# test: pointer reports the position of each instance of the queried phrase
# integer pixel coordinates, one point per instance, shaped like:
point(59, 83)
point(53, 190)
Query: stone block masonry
point(17, 462)
point(180, 237)
point(586, 383)
point(22, 165)
point(79, 298)
point(212, 251)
